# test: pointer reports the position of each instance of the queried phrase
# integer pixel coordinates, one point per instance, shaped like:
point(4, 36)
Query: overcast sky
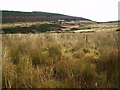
point(97, 10)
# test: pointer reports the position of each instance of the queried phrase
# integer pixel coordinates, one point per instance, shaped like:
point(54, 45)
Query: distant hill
point(17, 16)
point(115, 21)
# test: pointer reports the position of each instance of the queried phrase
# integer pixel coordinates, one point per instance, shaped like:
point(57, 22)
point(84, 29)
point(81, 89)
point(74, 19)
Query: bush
point(42, 27)
point(45, 27)
point(12, 30)
point(74, 29)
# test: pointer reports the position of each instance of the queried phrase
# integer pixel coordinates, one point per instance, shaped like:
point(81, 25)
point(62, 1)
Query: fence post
point(86, 37)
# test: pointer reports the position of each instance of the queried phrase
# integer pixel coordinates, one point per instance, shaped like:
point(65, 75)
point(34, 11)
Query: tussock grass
point(63, 60)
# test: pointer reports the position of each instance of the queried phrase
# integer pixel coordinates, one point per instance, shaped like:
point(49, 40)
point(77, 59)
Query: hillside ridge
point(18, 16)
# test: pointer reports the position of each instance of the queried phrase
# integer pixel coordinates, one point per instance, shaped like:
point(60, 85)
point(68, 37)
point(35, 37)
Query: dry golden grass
point(22, 24)
point(60, 60)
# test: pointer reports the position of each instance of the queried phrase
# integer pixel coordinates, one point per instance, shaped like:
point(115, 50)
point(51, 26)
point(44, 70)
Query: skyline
point(101, 11)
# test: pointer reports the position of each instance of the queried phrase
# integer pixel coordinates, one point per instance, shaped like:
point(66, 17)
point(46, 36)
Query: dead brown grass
point(63, 60)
